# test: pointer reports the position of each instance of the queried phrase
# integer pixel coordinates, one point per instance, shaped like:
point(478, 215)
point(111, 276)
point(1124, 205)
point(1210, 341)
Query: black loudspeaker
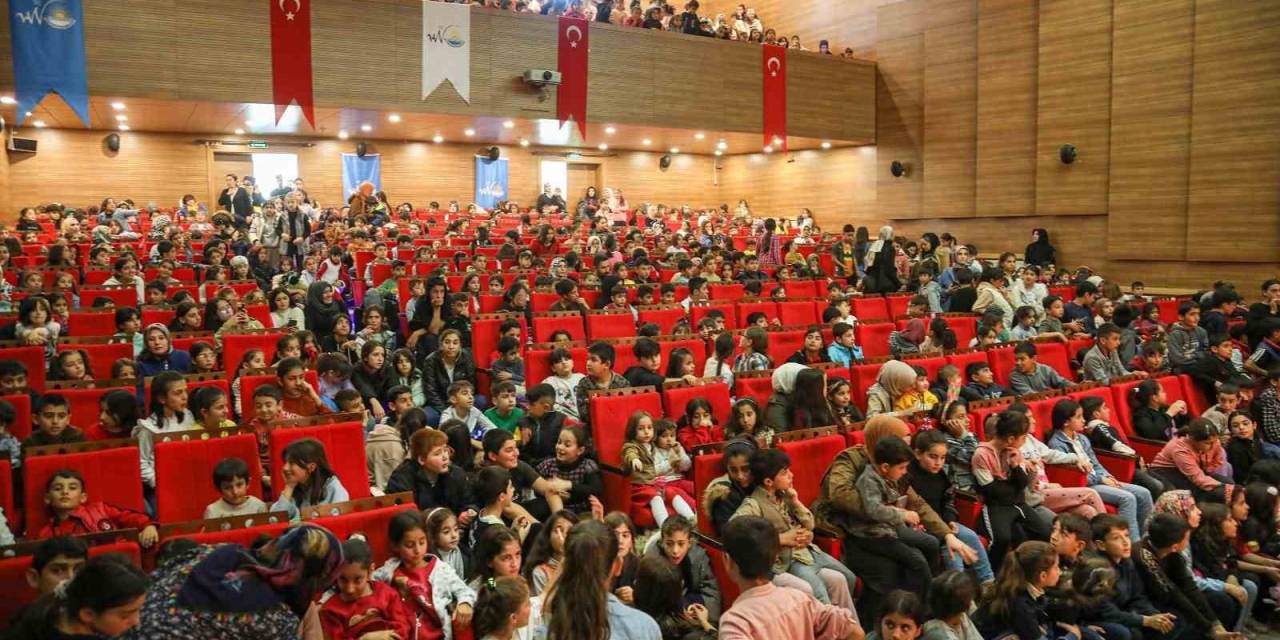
point(361, 149)
point(897, 169)
point(665, 161)
point(113, 142)
point(1067, 153)
point(493, 153)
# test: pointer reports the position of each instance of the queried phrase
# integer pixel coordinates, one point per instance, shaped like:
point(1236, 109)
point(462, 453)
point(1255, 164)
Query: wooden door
point(581, 176)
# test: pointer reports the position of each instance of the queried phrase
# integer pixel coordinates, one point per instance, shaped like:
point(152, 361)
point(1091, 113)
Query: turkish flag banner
point(774, 59)
point(571, 100)
point(291, 57)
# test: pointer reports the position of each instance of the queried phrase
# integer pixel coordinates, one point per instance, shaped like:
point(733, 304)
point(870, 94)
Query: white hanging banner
point(446, 47)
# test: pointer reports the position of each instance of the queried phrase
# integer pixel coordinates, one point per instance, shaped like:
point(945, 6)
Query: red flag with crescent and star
point(571, 100)
point(291, 57)
point(774, 59)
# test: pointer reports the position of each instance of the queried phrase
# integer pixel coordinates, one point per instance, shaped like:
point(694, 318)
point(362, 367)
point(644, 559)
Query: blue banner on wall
point(356, 170)
point(48, 54)
point(491, 181)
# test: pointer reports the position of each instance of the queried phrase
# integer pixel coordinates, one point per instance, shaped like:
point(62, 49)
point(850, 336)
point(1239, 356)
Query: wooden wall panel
point(899, 124)
point(1006, 127)
point(950, 109)
point(1073, 106)
point(838, 185)
point(5, 212)
point(1234, 207)
point(1150, 129)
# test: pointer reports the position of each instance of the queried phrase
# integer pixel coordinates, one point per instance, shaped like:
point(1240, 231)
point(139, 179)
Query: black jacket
point(543, 434)
point(882, 275)
point(639, 376)
point(1173, 588)
point(936, 489)
point(436, 381)
point(1209, 370)
point(1154, 423)
point(452, 489)
point(1026, 619)
point(1128, 604)
point(239, 205)
point(371, 385)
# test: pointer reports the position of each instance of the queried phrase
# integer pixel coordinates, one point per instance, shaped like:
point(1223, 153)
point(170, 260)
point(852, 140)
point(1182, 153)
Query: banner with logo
point(491, 181)
point(356, 170)
point(291, 57)
point(571, 99)
point(48, 54)
point(774, 59)
point(446, 47)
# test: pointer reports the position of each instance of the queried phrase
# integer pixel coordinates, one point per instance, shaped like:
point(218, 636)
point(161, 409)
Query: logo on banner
point(446, 47)
point(450, 35)
point(574, 35)
point(54, 13)
point(774, 65)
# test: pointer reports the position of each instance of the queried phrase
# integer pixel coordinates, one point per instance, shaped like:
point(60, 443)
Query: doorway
point(581, 176)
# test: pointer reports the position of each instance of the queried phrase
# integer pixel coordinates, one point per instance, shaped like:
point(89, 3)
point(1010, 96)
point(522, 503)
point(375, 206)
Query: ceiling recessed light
point(675, 150)
point(646, 142)
point(118, 106)
point(343, 135)
point(826, 145)
point(699, 135)
point(395, 117)
point(248, 123)
point(524, 142)
point(602, 146)
point(7, 100)
point(777, 140)
point(719, 152)
point(610, 130)
point(722, 145)
point(28, 114)
point(768, 149)
point(366, 128)
point(121, 117)
point(438, 139)
point(239, 132)
point(469, 132)
point(124, 127)
point(509, 124)
point(39, 124)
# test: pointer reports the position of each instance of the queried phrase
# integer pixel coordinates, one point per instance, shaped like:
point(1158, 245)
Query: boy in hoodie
point(982, 384)
point(648, 362)
point(1187, 339)
point(540, 426)
point(1214, 368)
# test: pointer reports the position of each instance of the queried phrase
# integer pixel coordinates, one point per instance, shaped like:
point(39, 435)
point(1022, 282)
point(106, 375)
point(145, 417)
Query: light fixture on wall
point(826, 144)
point(361, 149)
point(899, 169)
point(112, 142)
point(393, 118)
point(1067, 153)
point(664, 162)
point(343, 135)
point(524, 142)
point(437, 139)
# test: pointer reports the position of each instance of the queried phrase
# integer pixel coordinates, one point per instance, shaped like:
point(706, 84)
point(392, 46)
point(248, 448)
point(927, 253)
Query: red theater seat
point(537, 363)
point(112, 475)
point(1054, 354)
point(184, 473)
point(13, 576)
point(665, 316)
point(1001, 360)
point(243, 536)
point(805, 289)
point(545, 324)
point(861, 377)
point(695, 346)
point(965, 327)
point(744, 309)
point(965, 358)
point(601, 324)
point(726, 291)
point(784, 344)
point(797, 312)
point(610, 411)
point(121, 296)
point(101, 356)
point(343, 445)
point(33, 359)
point(870, 309)
point(677, 397)
point(812, 456)
point(92, 323)
point(484, 335)
point(373, 522)
point(235, 345)
point(874, 338)
point(897, 305)
point(699, 311)
point(758, 386)
point(85, 404)
point(21, 427)
point(7, 501)
point(707, 466)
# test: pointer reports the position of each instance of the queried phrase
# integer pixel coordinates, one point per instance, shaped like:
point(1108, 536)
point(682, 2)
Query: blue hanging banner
point(48, 54)
point(356, 170)
point(491, 181)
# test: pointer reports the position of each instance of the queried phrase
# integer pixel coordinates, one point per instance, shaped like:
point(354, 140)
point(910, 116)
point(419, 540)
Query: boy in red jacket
point(73, 514)
point(363, 608)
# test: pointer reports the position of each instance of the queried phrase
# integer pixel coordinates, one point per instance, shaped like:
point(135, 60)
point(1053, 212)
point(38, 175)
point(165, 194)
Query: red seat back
point(1123, 411)
point(343, 445)
point(965, 328)
point(101, 356)
point(897, 305)
point(744, 309)
point(726, 291)
point(1104, 393)
point(809, 460)
point(695, 346)
point(870, 309)
point(699, 311)
point(234, 346)
point(874, 338)
point(91, 323)
point(537, 363)
point(783, 344)
point(797, 312)
point(85, 404)
point(545, 325)
point(666, 319)
point(373, 523)
point(602, 325)
point(1197, 403)
point(1054, 354)
point(609, 415)
point(244, 536)
point(484, 336)
point(675, 400)
point(6, 495)
point(542, 301)
point(33, 359)
point(113, 476)
point(758, 388)
point(1001, 360)
point(21, 427)
point(121, 296)
point(805, 288)
point(963, 359)
point(861, 377)
point(1076, 347)
point(1043, 411)
point(1173, 388)
point(184, 473)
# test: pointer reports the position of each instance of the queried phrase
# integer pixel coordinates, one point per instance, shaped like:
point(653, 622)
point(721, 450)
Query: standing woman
point(589, 204)
point(1040, 253)
point(881, 271)
point(769, 247)
point(322, 308)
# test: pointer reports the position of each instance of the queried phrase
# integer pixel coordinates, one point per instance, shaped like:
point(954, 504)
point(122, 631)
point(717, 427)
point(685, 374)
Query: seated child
point(363, 608)
point(698, 425)
point(918, 397)
point(445, 536)
point(71, 513)
point(1105, 437)
point(335, 376)
point(745, 418)
point(210, 408)
point(503, 608)
point(504, 413)
point(433, 479)
point(564, 380)
point(1015, 605)
point(889, 530)
point(55, 561)
point(542, 567)
point(572, 464)
point(509, 366)
point(435, 596)
point(308, 479)
point(540, 427)
point(951, 597)
point(1029, 376)
point(53, 423)
point(675, 544)
point(982, 383)
point(267, 414)
point(1128, 606)
point(462, 408)
point(656, 462)
point(1169, 581)
point(298, 396)
point(231, 477)
point(953, 420)
point(10, 448)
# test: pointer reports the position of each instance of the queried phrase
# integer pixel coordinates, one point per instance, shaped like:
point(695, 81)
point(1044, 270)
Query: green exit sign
point(257, 144)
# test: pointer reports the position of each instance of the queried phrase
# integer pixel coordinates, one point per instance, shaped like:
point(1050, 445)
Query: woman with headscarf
point(881, 269)
point(1216, 592)
point(896, 377)
point(228, 591)
point(1040, 253)
point(159, 355)
point(839, 506)
point(322, 308)
point(362, 202)
point(784, 384)
point(928, 259)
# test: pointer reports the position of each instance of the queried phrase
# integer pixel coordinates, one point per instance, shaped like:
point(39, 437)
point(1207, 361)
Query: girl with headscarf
point(895, 378)
point(1040, 253)
point(881, 269)
point(322, 308)
point(784, 384)
point(1220, 594)
point(228, 591)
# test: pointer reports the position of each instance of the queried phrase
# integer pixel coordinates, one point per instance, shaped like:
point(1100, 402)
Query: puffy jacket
point(839, 505)
point(383, 452)
point(150, 364)
point(436, 381)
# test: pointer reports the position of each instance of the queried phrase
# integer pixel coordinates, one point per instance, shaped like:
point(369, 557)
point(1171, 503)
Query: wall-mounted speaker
point(493, 153)
point(113, 142)
point(1067, 153)
point(665, 161)
point(898, 169)
point(361, 149)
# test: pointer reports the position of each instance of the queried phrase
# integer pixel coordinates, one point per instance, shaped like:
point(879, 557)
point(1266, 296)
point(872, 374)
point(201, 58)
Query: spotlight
point(826, 145)
point(603, 147)
point(610, 130)
point(343, 135)
point(7, 100)
point(469, 132)
point(509, 124)
point(239, 132)
point(646, 142)
point(675, 150)
point(524, 142)
point(118, 106)
point(395, 117)
point(438, 139)
point(366, 128)
point(699, 135)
